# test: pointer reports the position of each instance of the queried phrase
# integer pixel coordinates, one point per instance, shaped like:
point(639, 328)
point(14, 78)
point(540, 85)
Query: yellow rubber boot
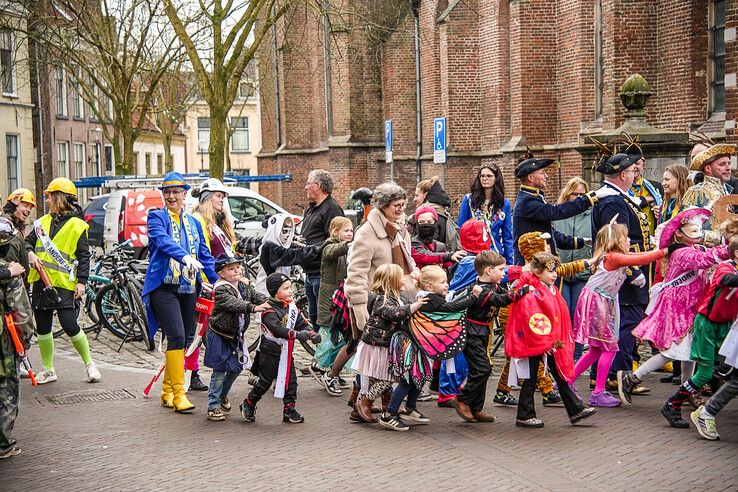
point(175, 365)
point(166, 389)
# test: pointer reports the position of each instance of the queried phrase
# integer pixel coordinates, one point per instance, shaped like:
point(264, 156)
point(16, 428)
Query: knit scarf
point(176, 273)
point(399, 256)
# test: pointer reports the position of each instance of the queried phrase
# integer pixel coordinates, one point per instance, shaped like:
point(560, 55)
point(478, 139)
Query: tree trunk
point(168, 157)
point(217, 147)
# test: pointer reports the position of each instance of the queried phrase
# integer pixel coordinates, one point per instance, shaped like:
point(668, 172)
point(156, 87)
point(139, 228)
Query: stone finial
point(634, 95)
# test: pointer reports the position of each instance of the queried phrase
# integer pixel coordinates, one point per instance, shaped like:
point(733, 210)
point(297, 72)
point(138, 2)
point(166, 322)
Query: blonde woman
point(577, 226)
point(676, 181)
point(217, 225)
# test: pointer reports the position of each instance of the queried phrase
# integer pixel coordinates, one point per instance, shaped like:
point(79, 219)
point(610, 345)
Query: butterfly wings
point(439, 335)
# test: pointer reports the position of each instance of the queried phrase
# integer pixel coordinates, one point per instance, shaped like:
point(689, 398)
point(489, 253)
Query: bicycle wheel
point(112, 308)
point(138, 315)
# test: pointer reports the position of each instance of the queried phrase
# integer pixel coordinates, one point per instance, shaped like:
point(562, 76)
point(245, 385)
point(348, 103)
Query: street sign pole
point(388, 158)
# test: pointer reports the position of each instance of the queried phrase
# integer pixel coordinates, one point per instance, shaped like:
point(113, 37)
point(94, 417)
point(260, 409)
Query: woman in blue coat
point(178, 254)
point(487, 202)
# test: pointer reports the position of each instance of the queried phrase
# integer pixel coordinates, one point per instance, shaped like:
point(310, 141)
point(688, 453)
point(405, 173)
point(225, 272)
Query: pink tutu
point(372, 361)
point(597, 320)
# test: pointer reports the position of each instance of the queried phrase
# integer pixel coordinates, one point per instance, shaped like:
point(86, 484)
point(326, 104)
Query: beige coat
point(372, 247)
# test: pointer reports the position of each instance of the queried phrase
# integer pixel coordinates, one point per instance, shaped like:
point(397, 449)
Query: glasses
point(172, 191)
point(398, 206)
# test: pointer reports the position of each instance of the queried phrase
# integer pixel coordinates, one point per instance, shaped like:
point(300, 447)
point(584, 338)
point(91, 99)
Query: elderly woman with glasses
point(178, 253)
point(486, 202)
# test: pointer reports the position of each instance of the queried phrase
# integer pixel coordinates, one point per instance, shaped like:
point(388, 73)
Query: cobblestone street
point(122, 441)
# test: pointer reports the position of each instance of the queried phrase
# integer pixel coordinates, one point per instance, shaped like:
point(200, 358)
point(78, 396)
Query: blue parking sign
point(439, 140)
point(388, 140)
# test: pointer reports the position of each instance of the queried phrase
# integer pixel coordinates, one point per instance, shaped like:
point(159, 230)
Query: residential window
point(203, 134)
point(11, 146)
point(599, 66)
point(245, 90)
point(717, 56)
point(147, 161)
point(62, 159)
point(78, 104)
point(135, 162)
point(96, 159)
point(159, 164)
point(109, 159)
point(240, 137)
point(7, 61)
point(60, 82)
point(79, 160)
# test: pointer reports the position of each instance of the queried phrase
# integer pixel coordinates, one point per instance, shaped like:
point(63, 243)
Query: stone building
point(505, 74)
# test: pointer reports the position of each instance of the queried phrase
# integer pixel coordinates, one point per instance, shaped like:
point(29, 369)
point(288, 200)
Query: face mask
point(285, 234)
point(426, 231)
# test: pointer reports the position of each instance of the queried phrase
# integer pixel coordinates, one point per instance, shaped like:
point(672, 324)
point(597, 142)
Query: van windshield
point(246, 208)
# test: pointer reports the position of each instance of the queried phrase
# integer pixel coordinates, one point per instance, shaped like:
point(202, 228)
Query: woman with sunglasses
point(486, 202)
point(178, 254)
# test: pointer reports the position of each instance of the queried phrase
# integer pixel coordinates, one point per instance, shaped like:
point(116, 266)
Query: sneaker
point(393, 422)
point(248, 411)
point(676, 380)
point(705, 424)
point(552, 398)
point(14, 451)
point(316, 371)
point(575, 392)
point(343, 384)
point(505, 398)
point(93, 374)
point(425, 396)
point(604, 399)
point(413, 415)
point(225, 405)
point(46, 376)
point(216, 414)
point(638, 389)
point(533, 423)
point(626, 382)
point(583, 414)
point(674, 416)
point(292, 417)
point(331, 385)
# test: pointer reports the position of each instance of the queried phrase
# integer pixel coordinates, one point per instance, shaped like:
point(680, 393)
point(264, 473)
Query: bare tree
point(116, 52)
point(235, 29)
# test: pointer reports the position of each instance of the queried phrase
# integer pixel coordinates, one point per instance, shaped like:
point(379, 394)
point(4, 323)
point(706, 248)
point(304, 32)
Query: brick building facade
point(505, 73)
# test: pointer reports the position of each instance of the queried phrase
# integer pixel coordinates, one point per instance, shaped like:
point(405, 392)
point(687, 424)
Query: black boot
point(433, 387)
point(196, 384)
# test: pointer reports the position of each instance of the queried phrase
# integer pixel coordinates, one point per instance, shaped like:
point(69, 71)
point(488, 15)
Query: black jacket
point(274, 319)
point(484, 310)
point(273, 255)
point(229, 306)
point(315, 229)
point(386, 316)
point(438, 303)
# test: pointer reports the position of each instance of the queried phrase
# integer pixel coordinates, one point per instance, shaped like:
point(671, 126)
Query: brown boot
point(363, 408)
point(483, 417)
point(355, 417)
point(463, 410)
point(353, 396)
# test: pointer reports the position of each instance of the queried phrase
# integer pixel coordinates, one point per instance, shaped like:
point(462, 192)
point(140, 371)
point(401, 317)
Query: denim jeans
point(312, 286)
point(220, 385)
point(403, 389)
point(727, 392)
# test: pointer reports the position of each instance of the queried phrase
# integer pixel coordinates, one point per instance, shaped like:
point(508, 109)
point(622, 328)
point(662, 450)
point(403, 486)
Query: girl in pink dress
point(597, 317)
point(671, 312)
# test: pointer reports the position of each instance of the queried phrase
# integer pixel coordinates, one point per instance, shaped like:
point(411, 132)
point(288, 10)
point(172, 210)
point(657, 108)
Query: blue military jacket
point(533, 214)
point(630, 215)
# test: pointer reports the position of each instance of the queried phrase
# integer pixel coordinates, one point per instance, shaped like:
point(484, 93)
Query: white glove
point(605, 191)
point(192, 263)
point(639, 281)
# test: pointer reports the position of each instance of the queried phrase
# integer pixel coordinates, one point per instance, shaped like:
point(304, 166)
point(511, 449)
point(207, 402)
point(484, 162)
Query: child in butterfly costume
point(431, 333)
point(539, 328)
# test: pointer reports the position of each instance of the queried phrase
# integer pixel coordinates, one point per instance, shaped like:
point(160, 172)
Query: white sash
point(283, 372)
point(684, 279)
point(53, 251)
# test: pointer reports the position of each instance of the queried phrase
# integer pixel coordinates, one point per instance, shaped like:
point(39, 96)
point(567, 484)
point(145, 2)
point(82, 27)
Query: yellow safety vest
point(66, 241)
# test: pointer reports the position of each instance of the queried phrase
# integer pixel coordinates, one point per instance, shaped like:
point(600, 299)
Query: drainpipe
point(278, 118)
point(418, 110)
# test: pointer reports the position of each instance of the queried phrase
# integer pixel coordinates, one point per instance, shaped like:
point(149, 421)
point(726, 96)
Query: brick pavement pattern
point(134, 444)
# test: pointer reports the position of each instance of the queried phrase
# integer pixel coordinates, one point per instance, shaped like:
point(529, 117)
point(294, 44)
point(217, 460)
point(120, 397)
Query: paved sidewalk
point(134, 444)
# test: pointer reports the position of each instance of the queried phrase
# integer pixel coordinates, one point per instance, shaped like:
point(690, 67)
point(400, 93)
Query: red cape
point(537, 321)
